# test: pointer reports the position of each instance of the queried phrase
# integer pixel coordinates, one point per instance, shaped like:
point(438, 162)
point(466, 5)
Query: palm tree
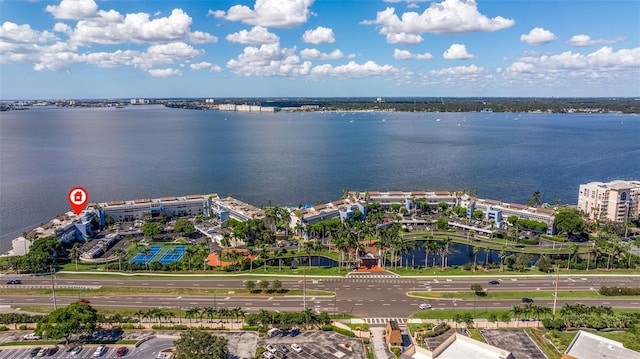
point(308, 247)
point(192, 313)
point(140, 314)
point(146, 251)
point(475, 257)
point(429, 246)
point(75, 253)
point(119, 252)
point(502, 256)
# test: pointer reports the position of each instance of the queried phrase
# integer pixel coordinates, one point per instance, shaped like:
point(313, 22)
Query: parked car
point(76, 350)
point(267, 355)
point(294, 332)
point(122, 351)
point(271, 348)
point(31, 336)
point(494, 282)
point(14, 281)
point(100, 351)
point(42, 352)
point(527, 300)
point(425, 306)
point(283, 348)
point(83, 300)
point(34, 351)
point(296, 348)
point(52, 351)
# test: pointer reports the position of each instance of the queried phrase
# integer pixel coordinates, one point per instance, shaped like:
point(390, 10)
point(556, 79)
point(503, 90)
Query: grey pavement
point(517, 342)
point(378, 341)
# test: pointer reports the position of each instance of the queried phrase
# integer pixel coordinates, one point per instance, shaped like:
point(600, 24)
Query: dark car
point(494, 282)
point(294, 332)
point(14, 281)
point(51, 351)
point(34, 351)
point(527, 300)
point(284, 348)
point(83, 300)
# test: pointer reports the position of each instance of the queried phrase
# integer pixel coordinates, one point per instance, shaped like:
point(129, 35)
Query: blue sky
point(294, 48)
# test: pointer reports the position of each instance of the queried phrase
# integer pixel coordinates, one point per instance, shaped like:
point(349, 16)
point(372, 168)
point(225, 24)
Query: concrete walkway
point(378, 342)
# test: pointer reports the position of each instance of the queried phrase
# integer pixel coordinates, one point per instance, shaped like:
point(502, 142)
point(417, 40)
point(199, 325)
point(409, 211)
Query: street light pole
point(53, 287)
point(179, 310)
point(555, 294)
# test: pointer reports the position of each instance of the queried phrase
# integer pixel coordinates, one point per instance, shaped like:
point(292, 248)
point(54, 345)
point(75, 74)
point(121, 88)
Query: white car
point(296, 348)
point(31, 336)
point(271, 348)
point(75, 351)
point(425, 306)
point(267, 355)
point(100, 351)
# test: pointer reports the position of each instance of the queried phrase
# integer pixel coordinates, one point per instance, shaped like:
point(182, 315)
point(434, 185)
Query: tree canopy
point(197, 343)
point(150, 229)
point(568, 221)
point(184, 226)
point(74, 319)
point(42, 254)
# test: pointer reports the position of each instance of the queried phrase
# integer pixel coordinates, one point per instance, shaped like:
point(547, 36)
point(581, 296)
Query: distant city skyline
point(306, 48)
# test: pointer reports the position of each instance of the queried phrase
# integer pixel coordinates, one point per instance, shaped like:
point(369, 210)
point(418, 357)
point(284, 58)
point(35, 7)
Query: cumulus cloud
point(268, 60)
point(586, 40)
point(457, 52)
point(404, 38)
point(257, 35)
point(73, 9)
point(458, 70)
point(110, 27)
point(603, 64)
point(14, 33)
point(165, 72)
point(353, 70)
point(316, 54)
point(319, 35)
point(407, 55)
point(270, 13)
point(446, 17)
point(204, 65)
point(538, 36)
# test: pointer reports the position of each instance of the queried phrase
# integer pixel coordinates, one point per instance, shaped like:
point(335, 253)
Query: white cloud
point(216, 13)
point(205, 65)
point(353, 70)
point(604, 64)
point(73, 9)
point(404, 38)
point(257, 35)
point(14, 33)
point(407, 55)
point(315, 54)
point(446, 17)
point(274, 13)
point(110, 27)
point(407, 1)
point(457, 52)
point(319, 35)
point(538, 36)
point(269, 60)
point(165, 72)
point(585, 40)
point(458, 70)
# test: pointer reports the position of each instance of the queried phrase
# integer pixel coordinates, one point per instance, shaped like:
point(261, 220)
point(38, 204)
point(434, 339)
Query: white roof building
point(587, 345)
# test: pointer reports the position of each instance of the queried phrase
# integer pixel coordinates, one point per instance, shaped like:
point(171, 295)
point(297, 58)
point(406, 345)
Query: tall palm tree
point(75, 253)
point(146, 251)
point(475, 256)
point(119, 252)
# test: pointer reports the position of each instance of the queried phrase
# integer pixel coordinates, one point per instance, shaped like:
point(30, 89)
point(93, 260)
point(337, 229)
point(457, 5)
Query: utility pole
point(304, 296)
point(53, 287)
point(555, 294)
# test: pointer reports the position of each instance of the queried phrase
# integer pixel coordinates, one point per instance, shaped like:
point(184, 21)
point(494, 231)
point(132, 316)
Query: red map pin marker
point(78, 198)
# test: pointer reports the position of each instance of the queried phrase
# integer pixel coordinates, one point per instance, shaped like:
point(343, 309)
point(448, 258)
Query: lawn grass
point(475, 334)
point(549, 350)
point(503, 294)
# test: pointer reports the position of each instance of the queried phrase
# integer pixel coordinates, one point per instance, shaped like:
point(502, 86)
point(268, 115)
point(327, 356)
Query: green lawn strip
point(548, 349)
point(32, 343)
point(115, 291)
point(536, 294)
point(362, 327)
point(481, 272)
point(475, 334)
point(442, 314)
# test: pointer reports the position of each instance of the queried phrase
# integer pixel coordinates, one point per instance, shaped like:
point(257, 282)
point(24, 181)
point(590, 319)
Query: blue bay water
point(294, 158)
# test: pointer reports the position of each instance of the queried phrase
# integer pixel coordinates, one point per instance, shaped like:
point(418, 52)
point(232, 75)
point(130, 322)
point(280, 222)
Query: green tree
point(264, 285)
point(150, 229)
point(544, 264)
point(568, 221)
point(477, 288)
point(184, 226)
point(250, 286)
point(197, 343)
point(42, 254)
point(74, 319)
point(442, 223)
point(276, 285)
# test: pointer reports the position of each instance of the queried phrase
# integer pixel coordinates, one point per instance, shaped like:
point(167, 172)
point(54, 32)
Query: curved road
point(364, 295)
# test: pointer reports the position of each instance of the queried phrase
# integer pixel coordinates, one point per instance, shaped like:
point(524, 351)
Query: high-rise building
point(615, 201)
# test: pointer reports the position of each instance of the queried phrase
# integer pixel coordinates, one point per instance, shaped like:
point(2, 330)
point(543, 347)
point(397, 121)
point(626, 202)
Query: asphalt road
point(364, 296)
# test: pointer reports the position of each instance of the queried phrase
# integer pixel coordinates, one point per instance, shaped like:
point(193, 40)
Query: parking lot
point(320, 345)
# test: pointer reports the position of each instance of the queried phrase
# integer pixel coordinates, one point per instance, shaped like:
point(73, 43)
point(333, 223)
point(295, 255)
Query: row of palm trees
point(197, 313)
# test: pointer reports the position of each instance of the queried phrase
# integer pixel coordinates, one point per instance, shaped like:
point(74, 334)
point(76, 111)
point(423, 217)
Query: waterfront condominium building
point(615, 201)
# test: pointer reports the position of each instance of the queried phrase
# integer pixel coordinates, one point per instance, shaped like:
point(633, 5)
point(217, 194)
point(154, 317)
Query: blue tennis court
point(172, 255)
point(140, 257)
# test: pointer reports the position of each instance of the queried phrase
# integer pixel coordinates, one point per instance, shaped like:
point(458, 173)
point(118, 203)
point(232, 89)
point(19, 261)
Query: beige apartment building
point(614, 201)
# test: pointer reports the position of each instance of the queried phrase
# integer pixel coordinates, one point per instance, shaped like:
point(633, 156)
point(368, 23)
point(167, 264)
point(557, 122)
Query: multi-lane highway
point(365, 295)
